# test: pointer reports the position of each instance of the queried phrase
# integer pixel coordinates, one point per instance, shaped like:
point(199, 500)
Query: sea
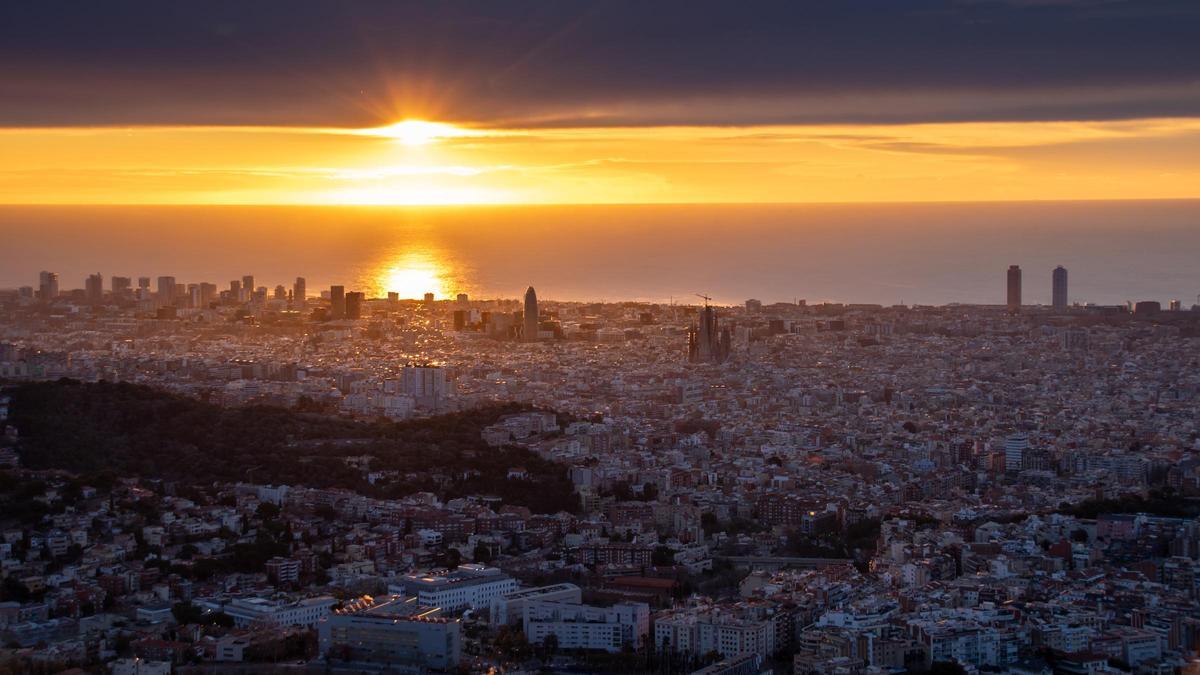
point(937, 253)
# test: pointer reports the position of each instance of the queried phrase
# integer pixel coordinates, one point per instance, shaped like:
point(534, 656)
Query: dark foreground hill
point(134, 430)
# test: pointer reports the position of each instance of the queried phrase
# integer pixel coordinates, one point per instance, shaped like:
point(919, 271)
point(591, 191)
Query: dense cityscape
point(600, 337)
point(245, 479)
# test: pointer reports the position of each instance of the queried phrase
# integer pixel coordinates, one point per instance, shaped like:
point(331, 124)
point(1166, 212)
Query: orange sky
point(431, 164)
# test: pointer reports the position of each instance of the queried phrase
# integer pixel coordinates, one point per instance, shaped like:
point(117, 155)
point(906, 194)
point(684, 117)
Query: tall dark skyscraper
point(166, 291)
point(299, 292)
point(337, 302)
point(531, 316)
point(121, 287)
point(208, 293)
point(1014, 288)
point(354, 302)
point(1059, 291)
point(94, 287)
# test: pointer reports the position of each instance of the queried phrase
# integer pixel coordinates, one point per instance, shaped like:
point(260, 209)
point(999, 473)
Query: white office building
point(585, 627)
point(392, 632)
point(510, 609)
point(467, 587)
point(247, 612)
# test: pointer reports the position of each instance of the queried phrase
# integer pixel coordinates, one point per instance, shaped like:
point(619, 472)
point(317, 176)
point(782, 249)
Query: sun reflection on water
point(412, 274)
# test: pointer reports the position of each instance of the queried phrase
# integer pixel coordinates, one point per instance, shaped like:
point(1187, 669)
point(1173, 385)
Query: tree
point(662, 556)
point(122, 644)
point(72, 492)
point(621, 491)
point(15, 590)
point(482, 553)
point(186, 612)
point(512, 643)
point(267, 511)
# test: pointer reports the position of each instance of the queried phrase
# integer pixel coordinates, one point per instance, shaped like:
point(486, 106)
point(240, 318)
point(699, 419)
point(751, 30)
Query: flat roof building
point(510, 608)
point(577, 626)
point(391, 631)
point(467, 587)
point(247, 612)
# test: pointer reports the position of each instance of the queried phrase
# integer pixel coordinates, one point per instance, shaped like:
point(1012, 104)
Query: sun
point(420, 132)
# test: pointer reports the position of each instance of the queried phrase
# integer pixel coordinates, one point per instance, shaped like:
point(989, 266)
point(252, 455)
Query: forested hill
point(137, 430)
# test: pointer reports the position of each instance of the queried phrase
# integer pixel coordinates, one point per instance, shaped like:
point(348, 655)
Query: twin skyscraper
point(1058, 299)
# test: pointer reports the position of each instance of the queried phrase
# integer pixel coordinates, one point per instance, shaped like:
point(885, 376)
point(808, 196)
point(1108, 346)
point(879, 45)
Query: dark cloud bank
point(560, 62)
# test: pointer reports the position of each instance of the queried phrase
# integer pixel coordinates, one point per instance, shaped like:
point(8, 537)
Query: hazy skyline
point(873, 253)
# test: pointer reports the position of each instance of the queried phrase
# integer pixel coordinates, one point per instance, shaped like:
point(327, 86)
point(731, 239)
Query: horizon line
point(446, 205)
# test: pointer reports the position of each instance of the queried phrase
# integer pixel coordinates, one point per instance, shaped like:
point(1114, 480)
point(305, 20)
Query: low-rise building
point(247, 612)
point(510, 608)
point(467, 587)
point(579, 626)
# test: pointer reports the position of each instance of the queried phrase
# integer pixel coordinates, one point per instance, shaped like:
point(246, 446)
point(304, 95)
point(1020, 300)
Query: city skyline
point(200, 294)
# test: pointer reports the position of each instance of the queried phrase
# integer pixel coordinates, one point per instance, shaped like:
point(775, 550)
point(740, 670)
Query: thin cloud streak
point(1153, 158)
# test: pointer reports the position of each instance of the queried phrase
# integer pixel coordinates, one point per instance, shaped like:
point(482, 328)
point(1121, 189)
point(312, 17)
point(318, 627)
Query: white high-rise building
point(1014, 451)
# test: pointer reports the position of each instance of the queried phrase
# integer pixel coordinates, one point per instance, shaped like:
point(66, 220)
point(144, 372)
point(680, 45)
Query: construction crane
point(706, 298)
